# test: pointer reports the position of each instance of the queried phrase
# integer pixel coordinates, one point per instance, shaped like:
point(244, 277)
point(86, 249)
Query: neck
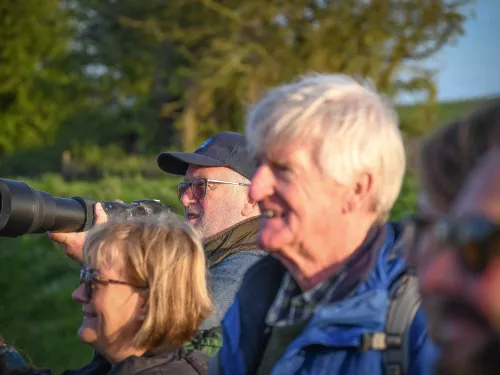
point(244, 220)
point(116, 356)
point(312, 267)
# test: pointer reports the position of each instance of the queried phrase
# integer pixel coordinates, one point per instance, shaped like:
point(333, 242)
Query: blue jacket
point(330, 343)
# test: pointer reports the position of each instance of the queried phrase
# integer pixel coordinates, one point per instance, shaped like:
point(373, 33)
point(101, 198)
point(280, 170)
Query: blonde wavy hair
point(166, 254)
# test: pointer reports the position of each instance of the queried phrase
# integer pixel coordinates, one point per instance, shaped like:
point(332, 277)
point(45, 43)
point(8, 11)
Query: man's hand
point(73, 242)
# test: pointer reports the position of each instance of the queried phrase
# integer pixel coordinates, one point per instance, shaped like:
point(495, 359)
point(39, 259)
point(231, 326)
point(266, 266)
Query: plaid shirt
point(291, 306)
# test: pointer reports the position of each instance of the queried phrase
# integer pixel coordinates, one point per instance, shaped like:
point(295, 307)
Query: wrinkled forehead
point(480, 192)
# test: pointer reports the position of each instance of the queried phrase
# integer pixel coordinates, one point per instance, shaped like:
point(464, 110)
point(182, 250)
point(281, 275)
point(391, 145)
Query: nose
point(441, 274)
point(262, 184)
point(187, 198)
point(79, 295)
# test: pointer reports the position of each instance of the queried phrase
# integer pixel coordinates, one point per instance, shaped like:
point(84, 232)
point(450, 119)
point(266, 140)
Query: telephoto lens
point(25, 210)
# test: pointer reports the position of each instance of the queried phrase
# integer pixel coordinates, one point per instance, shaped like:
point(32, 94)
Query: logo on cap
point(205, 144)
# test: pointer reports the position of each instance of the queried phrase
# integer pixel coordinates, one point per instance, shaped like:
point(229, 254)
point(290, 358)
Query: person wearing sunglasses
point(143, 293)
point(454, 239)
point(214, 194)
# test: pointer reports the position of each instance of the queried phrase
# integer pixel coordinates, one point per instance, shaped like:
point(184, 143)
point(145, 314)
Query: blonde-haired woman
point(144, 293)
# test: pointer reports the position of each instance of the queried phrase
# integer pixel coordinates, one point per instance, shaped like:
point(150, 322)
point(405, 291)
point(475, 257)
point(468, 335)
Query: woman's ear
point(143, 309)
point(141, 314)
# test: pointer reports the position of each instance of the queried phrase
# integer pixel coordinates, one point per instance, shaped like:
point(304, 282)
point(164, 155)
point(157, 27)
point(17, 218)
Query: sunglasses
point(474, 239)
point(199, 186)
point(89, 279)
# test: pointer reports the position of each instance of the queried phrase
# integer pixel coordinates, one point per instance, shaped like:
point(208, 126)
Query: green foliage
point(155, 75)
point(407, 200)
point(446, 112)
point(176, 72)
point(84, 162)
point(118, 69)
point(33, 40)
point(110, 161)
point(236, 50)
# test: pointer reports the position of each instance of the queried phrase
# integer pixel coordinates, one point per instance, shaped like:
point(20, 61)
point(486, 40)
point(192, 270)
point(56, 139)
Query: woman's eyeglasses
point(199, 186)
point(474, 239)
point(89, 278)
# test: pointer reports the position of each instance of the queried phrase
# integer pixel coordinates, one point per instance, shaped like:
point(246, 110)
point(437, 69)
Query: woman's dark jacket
point(173, 361)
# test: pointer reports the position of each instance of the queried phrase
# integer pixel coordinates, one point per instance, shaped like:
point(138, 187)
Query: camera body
point(25, 210)
point(142, 207)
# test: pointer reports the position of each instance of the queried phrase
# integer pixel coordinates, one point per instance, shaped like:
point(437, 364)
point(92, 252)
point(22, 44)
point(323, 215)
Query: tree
point(236, 49)
point(122, 76)
point(33, 39)
point(191, 66)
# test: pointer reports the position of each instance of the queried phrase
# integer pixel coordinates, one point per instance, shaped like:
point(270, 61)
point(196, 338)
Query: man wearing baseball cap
point(214, 194)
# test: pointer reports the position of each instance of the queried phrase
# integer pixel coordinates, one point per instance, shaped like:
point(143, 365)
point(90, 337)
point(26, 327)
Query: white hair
point(355, 130)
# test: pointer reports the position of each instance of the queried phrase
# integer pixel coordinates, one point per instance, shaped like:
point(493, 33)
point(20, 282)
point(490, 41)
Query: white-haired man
point(334, 296)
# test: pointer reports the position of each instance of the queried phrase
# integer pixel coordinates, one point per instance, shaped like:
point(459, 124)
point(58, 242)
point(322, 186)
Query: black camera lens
point(25, 210)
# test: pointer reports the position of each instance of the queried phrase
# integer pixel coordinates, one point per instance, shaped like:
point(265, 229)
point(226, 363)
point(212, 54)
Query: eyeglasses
point(199, 186)
point(89, 278)
point(475, 239)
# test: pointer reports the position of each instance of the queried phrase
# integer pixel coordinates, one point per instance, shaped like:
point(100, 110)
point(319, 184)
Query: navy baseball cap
point(226, 149)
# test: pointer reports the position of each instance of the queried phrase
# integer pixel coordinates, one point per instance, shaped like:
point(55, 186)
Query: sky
point(471, 67)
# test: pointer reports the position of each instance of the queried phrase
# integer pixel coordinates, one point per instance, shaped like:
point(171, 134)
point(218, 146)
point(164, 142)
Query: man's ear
point(250, 207)
point(360, 192)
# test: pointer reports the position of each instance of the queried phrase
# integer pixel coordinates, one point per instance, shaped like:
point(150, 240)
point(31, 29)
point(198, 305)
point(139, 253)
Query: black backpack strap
point(394, 343)
point(403, 305)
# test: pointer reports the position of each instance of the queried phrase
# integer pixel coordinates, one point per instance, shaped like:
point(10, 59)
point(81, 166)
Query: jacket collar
point(239, 237)
point(360, 307)
point(365, 308)
point(150, 361)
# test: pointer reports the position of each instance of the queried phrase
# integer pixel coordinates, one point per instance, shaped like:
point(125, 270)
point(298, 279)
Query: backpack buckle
point(393, 340)
point(374, 341)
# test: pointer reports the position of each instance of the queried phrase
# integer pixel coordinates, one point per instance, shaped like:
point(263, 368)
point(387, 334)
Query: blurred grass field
point(37, 314)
